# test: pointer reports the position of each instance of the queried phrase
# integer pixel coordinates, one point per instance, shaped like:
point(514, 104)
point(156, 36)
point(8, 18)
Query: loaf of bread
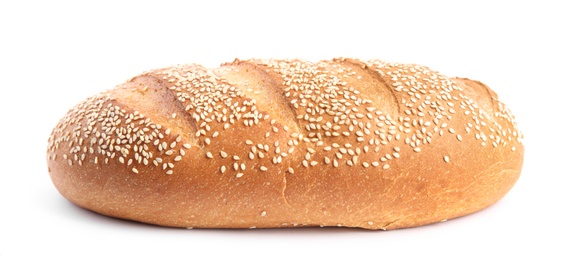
point(288, 143)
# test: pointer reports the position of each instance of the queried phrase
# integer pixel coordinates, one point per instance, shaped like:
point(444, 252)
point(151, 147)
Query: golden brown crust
point(283, 143)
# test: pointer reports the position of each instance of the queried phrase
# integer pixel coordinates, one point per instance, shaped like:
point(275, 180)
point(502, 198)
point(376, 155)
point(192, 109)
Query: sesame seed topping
point(338, 123)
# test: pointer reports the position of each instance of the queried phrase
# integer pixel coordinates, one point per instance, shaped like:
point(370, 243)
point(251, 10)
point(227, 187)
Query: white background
point(54, 54)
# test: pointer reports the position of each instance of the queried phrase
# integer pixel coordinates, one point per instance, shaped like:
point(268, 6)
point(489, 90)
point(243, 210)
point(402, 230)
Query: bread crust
point(286, 143)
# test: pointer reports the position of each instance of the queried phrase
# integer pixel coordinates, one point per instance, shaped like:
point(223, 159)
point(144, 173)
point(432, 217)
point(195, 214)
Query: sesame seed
point(327, 106)
point(238, 175)
point(263, 168)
